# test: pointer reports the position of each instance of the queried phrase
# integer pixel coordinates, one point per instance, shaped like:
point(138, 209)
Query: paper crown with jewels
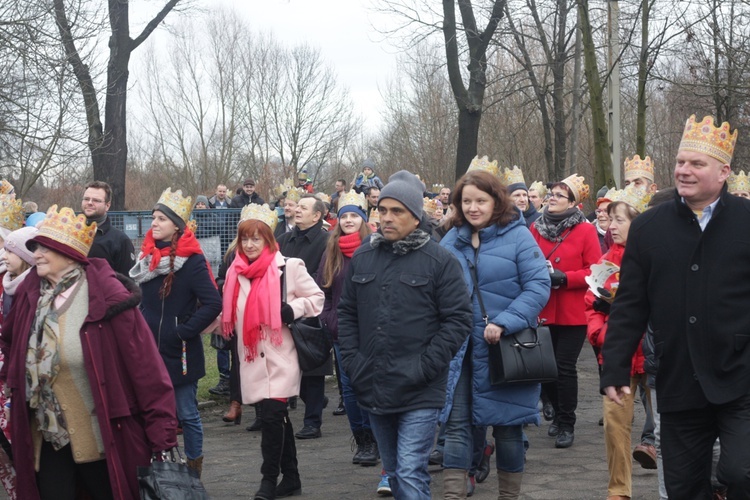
point(6, 187)
point(704, 137)
point(66, 233)
point(182, 206)
point(637, 198)
point(430, 205)
point(484, 164)
point(11, 212)
point(738, 182)
point(288, 186)
point(352, 198)
point(262, 213)
point(514, 176)
point(539, 187)
point(636, 167)
point(323, 197)
point(374, 217)
point(578, 185)
point(437, 187)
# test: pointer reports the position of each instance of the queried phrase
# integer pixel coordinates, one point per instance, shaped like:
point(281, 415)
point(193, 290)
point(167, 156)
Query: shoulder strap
point(473, 272)
point(570, 230)
point(283, 282)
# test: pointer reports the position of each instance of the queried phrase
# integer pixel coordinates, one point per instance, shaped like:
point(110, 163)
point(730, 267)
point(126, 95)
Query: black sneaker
point(220, 389)
point(564, 439)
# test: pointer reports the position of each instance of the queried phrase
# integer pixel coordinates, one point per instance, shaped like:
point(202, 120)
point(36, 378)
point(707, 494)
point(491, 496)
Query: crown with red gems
point(704, 137)
point(636, 167)
point(738, 182)
point(637, 198)
point(67, 228)
point(578, 185)
point(484, 164)
point(263, 213)
point(180, 205)
point(11, 212)
point(514, 176)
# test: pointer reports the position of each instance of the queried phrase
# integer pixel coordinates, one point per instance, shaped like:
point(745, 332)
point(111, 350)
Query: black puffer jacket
point(404, 313)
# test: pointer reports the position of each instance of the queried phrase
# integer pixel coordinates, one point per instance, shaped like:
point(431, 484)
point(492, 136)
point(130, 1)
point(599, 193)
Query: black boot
point(370, 454)
point(271, 446)
point(258, 422)
point(359, 444)
point(290, 484)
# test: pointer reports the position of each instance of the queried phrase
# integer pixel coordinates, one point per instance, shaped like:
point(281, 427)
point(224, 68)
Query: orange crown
point(704, 137)
point(67, 228)
point(578, 185)
point(635, 167)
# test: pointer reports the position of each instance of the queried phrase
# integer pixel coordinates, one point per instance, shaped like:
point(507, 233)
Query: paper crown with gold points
point(352, 198)
point(636, 167)
point(262, 213)
point(539, 187)
point(738, 182)
point(65, 233)
point(323, 197)
point(437, 187)
point(374, 217)
point(514, 176)
point(11, 212)
point(430, 205)
point(637, 198)
point(6, 187)
point(484, 164)
point(704, 137)
point(578, 185)
point(182, 206)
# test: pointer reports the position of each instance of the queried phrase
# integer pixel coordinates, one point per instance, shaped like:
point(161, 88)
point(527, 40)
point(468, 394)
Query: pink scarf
point(263, 305)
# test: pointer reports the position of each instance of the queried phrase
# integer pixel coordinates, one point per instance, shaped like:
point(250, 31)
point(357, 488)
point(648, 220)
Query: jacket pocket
point(414, 280)
point(365, 287)
point(363, 278)
point(740, 341)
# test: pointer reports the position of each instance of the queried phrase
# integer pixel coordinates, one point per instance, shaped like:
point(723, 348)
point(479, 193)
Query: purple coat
point(132, 393)
point(329, 317)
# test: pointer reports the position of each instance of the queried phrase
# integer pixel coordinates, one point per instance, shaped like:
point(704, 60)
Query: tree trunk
point(468, 136)
point(558, 95)
point(640, 127)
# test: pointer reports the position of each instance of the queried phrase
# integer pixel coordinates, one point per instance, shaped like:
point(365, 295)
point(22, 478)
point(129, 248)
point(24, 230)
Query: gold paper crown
point(353, 198)
point(539, 187)
point(323, 197)
point(484, 164)
point(180, 205)
point(738, 182)
point(637, 198)
point(262, 213)
point(374, 217)
point(67, 228)
point(437, 187)
point(704, 137)
point(578, 185)
point(294, 194)
point(430, 205)
point(636, 167)
point(514, 176)
point(11, 212)
point(6, 187)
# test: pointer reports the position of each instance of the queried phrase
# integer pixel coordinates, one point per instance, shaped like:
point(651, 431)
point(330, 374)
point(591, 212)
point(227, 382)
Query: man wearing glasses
point(110, 243)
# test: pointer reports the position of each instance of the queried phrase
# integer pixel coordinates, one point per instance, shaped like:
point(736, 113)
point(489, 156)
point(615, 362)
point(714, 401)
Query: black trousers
point(313, 392)
point(567, 342)
point(687, 439)
point(60, 478)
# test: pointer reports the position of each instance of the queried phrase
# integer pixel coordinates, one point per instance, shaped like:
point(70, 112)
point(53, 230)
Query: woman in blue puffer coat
point(490, 236)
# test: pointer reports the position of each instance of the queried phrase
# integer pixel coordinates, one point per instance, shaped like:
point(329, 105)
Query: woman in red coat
point(570, 244)
point(91, 396)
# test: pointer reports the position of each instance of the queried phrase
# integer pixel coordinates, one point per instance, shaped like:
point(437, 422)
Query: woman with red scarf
point(269, 371)
point(174, 278)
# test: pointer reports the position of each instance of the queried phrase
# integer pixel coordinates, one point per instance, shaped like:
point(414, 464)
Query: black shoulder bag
point(312, 341)
point(523, 357)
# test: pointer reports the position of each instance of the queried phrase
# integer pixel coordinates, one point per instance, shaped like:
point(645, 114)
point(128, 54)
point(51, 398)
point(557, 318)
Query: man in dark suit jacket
point(307, 241)
point(686, 269)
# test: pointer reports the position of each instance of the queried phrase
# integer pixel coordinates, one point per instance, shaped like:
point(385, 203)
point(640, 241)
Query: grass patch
point(212, 373)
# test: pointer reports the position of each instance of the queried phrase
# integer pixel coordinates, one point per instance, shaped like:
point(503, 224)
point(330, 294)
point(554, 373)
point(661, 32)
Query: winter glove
point(558, 278)
point(601, 306)
point(287, 313)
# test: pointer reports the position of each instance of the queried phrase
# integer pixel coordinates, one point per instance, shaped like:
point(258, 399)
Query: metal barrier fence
point(216, 230)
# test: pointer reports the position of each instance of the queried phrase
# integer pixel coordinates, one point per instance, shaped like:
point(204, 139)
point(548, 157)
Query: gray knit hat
point(407, 189)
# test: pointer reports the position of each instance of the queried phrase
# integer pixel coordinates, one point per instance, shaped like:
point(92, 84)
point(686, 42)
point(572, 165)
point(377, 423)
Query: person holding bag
point(92, 399)
point(490, 238)
point(253, 310)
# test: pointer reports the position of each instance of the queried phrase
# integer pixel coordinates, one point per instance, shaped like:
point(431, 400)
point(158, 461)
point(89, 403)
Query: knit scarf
point(413, 241)
point(551, 226)
point(10, 284)
point(154, 261)
point(349, 243)
point(262, 316)
point(43, 361)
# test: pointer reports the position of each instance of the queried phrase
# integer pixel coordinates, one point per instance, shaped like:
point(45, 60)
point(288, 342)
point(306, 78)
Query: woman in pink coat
point(269, 370)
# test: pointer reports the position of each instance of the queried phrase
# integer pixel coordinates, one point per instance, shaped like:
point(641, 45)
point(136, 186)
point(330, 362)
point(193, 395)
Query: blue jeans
point(405, 440)
point(459, 439)
point(510, 447)
point(190, 419)
point(222, 362)
point(358, 418)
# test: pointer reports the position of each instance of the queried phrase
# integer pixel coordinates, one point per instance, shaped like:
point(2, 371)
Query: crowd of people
point(101, 346)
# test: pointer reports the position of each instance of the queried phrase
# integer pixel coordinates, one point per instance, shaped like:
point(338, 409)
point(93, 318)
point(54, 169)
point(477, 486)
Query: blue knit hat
point(406, 188)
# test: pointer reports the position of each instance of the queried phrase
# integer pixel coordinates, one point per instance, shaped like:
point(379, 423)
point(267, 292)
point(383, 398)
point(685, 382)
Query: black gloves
point(601, 306)
point(287, 313)
point(558, 278)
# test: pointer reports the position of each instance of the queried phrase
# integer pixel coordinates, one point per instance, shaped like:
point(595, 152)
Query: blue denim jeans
point(190, 419)
point(358, 418)
point(405, 440)
point(222, 363)
point(510, 447)
point(459, 439)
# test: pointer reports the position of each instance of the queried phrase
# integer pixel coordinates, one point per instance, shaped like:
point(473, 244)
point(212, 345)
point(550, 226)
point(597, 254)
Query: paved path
point(232, 463)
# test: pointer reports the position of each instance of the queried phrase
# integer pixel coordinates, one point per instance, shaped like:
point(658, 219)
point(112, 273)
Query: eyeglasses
point(600, 211)
point(559, 196)
point(95, 201)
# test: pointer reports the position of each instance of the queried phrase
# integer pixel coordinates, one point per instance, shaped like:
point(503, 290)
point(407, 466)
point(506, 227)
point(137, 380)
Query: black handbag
point(312, 341)
point(522, 357)
point(170, 479)
point(219, 343)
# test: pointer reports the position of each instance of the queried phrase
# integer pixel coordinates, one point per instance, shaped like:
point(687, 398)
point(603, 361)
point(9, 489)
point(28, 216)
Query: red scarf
point(187, 245)
point(263, 305)
point(349, 243)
